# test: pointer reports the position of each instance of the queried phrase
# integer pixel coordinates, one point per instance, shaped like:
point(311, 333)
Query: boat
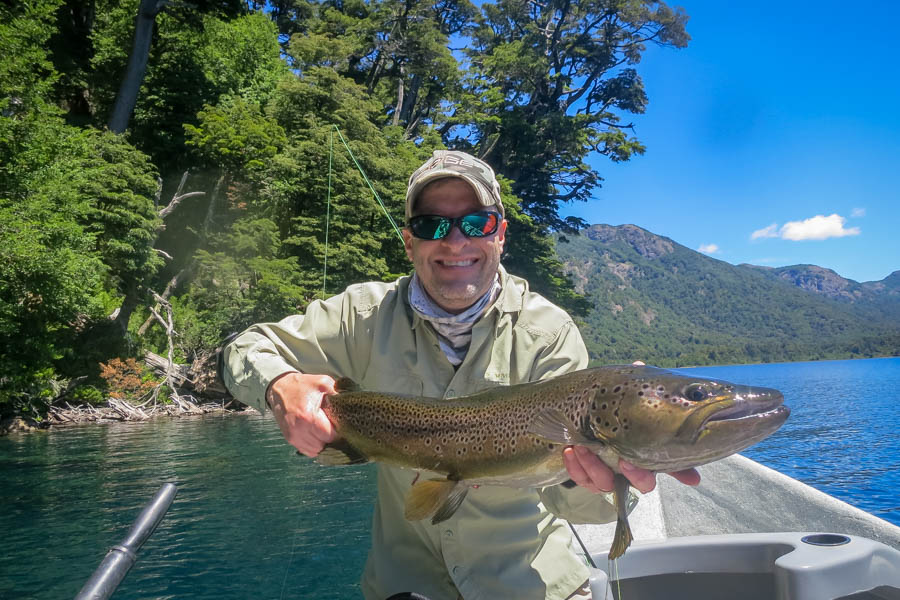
point(746, 532)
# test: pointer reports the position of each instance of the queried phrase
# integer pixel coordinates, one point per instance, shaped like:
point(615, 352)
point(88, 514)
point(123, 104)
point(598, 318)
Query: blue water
point(253, 520)
point(843, 435)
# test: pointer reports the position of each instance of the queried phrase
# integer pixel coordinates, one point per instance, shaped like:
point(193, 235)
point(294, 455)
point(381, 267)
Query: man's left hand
point(587, 470)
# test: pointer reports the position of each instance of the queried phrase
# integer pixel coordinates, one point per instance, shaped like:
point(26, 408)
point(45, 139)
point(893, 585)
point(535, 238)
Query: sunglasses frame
point(455, 222)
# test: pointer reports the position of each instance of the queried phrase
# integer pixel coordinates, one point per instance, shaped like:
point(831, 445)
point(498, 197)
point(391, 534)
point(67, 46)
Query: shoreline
point(117, 411)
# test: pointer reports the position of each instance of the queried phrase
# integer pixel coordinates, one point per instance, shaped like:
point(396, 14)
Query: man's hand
point(296, 402)
point(587, 470)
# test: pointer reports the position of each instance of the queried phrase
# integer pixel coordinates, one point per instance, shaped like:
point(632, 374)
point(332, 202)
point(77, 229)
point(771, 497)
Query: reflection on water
point(253, 520)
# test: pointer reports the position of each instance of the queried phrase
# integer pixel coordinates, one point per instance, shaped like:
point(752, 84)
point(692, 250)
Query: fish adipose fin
point(555, 426)
point(435, 498)
point(622, 538)
point(340, 452)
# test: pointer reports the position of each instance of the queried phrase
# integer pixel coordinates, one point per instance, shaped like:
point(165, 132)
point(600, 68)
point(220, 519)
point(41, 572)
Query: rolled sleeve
point(321, 341)
point(251, 365)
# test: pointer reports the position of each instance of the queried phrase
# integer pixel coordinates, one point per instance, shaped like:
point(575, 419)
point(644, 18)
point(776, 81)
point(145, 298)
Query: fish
point(515, 435)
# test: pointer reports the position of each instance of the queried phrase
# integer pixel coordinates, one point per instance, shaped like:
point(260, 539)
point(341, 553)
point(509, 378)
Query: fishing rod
point(120, 558)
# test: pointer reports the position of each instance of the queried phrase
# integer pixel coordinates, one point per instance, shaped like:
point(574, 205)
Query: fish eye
point(695, 392)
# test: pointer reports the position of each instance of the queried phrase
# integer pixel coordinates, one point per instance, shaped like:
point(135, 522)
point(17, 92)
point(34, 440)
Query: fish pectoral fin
point(555, 426)
point(435, 498)
point(340, 452)
point(345, 384)
point(622, 537)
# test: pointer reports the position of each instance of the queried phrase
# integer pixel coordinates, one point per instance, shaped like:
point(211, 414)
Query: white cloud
point(858, 212)
point(708, 248)
point(766, 232)
point(818, 227)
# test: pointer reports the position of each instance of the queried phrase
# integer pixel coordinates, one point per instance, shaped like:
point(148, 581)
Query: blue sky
point(772, 139)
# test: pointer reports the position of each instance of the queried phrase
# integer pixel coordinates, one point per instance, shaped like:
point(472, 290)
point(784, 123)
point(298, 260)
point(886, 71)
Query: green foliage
point(254, 94)
point(562, 71)
point(118, 184)
point(236, 136)
point(88, 394)
point(242, 282)
point(49, 277)
point(362, 243)
point(668, 305)
point(241, 57)
point(533, 256)
point(76, 224)
point(26, 71)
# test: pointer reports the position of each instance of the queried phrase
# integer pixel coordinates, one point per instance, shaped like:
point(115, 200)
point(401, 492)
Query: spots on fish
point(599, 404)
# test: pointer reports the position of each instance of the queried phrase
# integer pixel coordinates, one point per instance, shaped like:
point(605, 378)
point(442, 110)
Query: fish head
point(667, 421)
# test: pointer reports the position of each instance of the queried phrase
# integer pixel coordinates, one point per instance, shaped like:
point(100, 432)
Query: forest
point(170, 171)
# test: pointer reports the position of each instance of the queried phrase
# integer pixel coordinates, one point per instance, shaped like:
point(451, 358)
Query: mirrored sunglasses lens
point(479, 224)
point(430, 228)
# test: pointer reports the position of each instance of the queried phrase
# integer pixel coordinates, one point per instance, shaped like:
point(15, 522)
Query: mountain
point(875, 299)
point(658, 301)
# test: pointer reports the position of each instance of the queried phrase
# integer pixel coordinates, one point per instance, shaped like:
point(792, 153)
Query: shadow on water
point(251, 519)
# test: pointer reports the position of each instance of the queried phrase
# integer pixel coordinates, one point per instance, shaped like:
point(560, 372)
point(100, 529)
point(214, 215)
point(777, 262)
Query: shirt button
point(448, 534)
point(456, 570)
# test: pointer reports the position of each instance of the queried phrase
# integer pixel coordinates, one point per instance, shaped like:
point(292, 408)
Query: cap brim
point(484, 195)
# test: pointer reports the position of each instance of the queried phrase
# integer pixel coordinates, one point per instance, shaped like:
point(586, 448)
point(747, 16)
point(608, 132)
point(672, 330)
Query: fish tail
point(622, 537)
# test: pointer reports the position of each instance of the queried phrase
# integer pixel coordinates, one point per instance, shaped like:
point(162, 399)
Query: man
point(458, 325)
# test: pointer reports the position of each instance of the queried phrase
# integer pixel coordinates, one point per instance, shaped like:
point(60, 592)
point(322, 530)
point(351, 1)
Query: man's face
point(456, 270)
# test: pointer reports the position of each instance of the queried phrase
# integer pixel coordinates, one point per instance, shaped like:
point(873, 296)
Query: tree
point(564, 72)
point(137, 65)
point(133, 77)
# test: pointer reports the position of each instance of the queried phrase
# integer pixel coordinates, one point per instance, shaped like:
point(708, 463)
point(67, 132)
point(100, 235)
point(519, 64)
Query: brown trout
point(514, 435)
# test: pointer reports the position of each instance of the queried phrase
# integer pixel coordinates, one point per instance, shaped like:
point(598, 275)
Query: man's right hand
point(296, 402)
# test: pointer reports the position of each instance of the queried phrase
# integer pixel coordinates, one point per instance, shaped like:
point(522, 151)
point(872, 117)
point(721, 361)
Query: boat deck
point(739, 495)
point(747, 533)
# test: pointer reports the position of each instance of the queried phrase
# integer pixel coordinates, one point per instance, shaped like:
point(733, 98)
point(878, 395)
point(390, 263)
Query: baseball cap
point(453, 163)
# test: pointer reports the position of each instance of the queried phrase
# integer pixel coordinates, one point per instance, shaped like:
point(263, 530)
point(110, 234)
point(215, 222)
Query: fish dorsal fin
point(345, 384)
point(435, 498)
point(554, 426)
point(340, 452)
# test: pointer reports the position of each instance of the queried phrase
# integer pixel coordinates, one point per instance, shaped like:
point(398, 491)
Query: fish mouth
point(752, 403)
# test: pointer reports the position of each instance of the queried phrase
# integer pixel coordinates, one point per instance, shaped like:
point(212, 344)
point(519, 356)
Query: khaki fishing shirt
point(502, 543)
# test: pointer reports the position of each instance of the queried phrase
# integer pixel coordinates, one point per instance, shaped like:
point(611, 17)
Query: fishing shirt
point(502, 542)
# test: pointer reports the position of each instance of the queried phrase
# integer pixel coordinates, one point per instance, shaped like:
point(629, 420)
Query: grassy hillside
point(661, 302)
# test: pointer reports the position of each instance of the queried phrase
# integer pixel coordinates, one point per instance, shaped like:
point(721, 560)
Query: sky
point(772, 139)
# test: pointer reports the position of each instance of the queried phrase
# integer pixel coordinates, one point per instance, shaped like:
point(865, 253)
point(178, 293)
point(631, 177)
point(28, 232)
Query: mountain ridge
point(659, 301)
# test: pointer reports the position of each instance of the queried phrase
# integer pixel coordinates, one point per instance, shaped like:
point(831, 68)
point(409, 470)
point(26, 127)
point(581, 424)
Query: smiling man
point(458, 325)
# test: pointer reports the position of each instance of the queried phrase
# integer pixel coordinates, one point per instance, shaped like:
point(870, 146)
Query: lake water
point(253, 520)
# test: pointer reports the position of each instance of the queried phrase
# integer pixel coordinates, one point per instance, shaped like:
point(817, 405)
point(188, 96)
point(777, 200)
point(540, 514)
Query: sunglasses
point(473, 225)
